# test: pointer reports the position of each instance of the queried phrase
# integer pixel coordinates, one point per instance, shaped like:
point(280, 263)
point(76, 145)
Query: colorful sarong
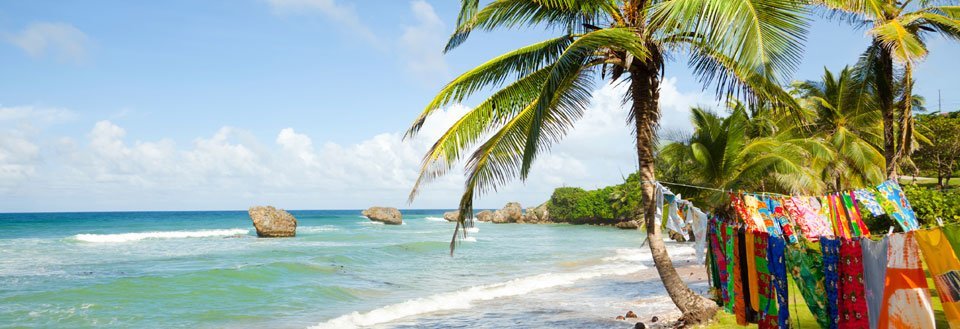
point(874, 273)
point(895, 203)
point(944, 269)
point(806, 266)
point(731, 265)
point(753, 208)
point(739, 305)
point(868, 200)
point(831, 262)
point(768, 316)
point(782, 218)
point(805, 211)
point(778, 278)
point(853, 303)
point(906, 299)
point(752, 271)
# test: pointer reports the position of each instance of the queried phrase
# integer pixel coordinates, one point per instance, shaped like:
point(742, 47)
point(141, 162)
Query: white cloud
point(339, 13)
point(231, 169)
point(59, 39)
point(422, 44)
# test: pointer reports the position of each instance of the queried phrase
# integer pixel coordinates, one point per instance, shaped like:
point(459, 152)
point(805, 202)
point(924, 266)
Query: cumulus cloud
point(422, 44)
point(64, 41)
point(230, 168)
point(337, 12)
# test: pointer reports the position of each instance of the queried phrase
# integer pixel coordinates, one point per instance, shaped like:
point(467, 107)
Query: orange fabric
point(752, 272)
point(944, 269)
point(906, 297)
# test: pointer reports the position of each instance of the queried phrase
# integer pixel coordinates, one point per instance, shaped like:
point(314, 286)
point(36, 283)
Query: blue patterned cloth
point(895, 204)
point(831, 262)
point(868, 200)
point(778, 277)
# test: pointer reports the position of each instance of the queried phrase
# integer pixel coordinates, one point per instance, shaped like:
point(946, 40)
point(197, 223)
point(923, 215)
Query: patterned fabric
point(752, 274)
point(781, 217)
point(731, 264)
point(840, 216)
point(853, 303)
point(739, 307)
point(874, 273)
point(752, 208)
point(741, 208)
point(944, 269)
point(769, 315)
point(906, 299)
point(855, 213)
point(805, 211)
point(867, 200)
point(853, 216)
point(895, 204)
point(806, 267)
point(721, 261)
point(831, 262)
point(765, 214)
point(698, 221)
point(778, 278)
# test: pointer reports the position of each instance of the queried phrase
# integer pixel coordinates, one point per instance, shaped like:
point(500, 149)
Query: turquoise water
point(208, 270)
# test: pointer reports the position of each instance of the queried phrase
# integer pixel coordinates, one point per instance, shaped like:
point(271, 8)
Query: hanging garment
point(806, 266)
point(853, 303)
point(728, 239)
point(853, 217)
point(867, 200)
point(944, 269)
point(713, 258)
point(782, 219)
point(739, 307)
point(769, 316)
point(906, 299)
point(839, 215)
point(745, 260)
point(855, 213)
point(831, 273)
point(766, 213)
point(802, 210)
point(719, 253)
point(674, 221)
point(741, 209)
point(874, 273)
point(952, 232)
point(698, 221)
point(752, 206)
point(778, 278)
point(895, 203)
point(658, 200)
point(752, 275)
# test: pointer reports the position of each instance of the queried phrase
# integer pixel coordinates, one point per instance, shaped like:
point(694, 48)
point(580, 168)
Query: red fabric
point(853, 303)
point(739, 307)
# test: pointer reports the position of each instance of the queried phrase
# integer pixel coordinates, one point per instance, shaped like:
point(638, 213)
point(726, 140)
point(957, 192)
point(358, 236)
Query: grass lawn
point(801, 317)
point(930, 182)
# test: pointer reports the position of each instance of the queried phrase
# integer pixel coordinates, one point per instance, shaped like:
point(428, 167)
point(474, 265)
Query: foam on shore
point(130, 237)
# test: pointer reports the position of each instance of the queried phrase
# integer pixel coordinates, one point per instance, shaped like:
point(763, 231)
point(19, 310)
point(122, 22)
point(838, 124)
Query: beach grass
point(800, 316)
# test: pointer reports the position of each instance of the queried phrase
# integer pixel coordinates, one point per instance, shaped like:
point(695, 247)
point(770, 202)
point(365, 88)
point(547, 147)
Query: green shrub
point(931, 203)
point(607, 205)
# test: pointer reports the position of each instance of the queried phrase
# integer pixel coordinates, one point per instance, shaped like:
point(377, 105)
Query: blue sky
point(119, 105)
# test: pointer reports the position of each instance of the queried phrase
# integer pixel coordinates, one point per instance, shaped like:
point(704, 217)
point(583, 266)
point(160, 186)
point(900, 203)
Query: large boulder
point(451, 216)
point(498, 217)
point(542, 213)
point(628, 225)
point(485, 216)
point(512, 212)
point(271, 222)
point(384, 215)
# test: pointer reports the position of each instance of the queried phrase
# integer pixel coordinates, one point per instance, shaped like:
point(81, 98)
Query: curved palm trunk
point(645, 93)
point(885, 92)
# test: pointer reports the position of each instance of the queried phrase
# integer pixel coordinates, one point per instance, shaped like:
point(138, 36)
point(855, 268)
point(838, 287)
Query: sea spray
point(129, 237)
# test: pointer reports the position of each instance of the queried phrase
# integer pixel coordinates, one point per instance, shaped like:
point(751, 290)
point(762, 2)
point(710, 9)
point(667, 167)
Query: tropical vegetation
point(811, 136)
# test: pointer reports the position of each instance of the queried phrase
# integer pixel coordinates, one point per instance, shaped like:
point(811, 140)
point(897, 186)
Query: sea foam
point(436, 219)
point(464, 299)
point(129, 237)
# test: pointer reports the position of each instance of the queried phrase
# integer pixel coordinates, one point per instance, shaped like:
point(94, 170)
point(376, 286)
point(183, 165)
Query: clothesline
point(701, 187)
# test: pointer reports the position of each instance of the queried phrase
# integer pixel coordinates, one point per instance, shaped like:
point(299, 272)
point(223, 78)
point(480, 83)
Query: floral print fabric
point(806, 267)
point(778, 278)
point(868, 200)
point(831, 263)
point(769, 316)
point(806, 212)
point(895, 203)
point(853, 304)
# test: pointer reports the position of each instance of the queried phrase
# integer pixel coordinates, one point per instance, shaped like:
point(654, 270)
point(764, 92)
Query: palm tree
point(742, 47)
point(845, 115)
point(899, 29)
point(721, 153)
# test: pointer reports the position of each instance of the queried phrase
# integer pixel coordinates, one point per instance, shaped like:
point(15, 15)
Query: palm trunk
point(645, 93)
point(885, 92)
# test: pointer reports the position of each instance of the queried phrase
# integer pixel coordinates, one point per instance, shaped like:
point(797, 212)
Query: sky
point(301, 104)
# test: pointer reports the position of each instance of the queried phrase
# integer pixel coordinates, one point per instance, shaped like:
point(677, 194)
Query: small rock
point(451, 216)
point(639, 325)
point(631, 315)
point(628, 225)
point(654, 319)
point(620, 317)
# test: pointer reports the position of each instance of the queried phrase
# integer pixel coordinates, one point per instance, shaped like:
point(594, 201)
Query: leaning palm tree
point(846, 117)
point(743, 47)
point(899, 30)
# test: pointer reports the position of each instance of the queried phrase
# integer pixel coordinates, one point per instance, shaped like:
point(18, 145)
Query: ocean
point(209, 270)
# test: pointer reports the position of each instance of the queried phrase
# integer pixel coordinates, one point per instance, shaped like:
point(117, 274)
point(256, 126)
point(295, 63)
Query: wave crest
point(129, 237)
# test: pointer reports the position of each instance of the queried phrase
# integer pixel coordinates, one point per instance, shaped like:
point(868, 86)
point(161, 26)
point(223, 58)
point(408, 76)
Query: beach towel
point(769, 316)
point(874, 273)
point(853, 304)
point(895, 203)
point(944, 269)
point(867, 200)
point(778, 278)
point(806, 266)
point(831, 274)
point(906, 298)
point(806, 215)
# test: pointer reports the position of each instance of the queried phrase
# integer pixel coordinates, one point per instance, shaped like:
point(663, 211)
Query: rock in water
point(485, 216)
point(271, 222)
point(512, 212)
point(628, 225)
point(451, 216)
point(384, 215)
point(631, 315)
point(498, 217)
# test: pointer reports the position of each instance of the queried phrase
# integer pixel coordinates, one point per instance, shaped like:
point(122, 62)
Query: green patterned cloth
point(728, 237)
point(806, 266)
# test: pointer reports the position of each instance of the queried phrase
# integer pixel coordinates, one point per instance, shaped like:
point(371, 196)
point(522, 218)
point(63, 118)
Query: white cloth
point(698, 221)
